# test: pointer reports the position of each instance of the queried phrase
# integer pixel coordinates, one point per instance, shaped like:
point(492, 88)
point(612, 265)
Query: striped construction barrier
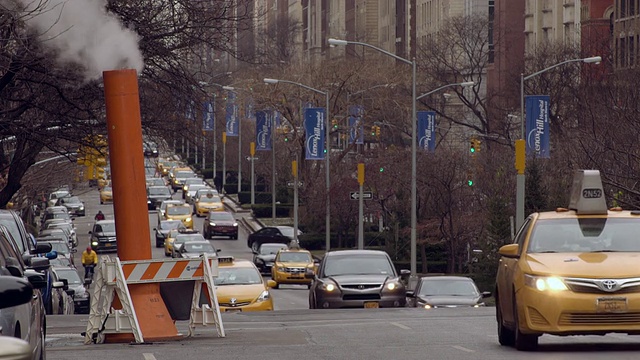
point(163, 270)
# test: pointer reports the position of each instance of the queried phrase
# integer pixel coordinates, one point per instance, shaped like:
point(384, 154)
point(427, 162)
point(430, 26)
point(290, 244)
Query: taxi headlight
point(280, 269)
point(264, 296)
point(545, 283)
point(81, 207)
point(187, 219)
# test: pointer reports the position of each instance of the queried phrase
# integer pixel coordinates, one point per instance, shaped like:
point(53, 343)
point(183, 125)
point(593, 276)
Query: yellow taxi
point(573, 271)
point(240, 287)
point(290, 267)
point(208, 202)
point(164, 166)
point(168, 241)
point(179, 212)
point(106, 194)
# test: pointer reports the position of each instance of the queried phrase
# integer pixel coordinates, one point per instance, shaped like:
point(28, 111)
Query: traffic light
point(373, 130)
point(474, 146)
point(334, 122)
point(381, 169)
point(377, 131)
point(469, 178)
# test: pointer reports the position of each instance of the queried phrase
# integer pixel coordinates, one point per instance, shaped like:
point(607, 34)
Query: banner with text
point(208, 120)
point(314, 131)
point(356, 124)
point(427, 130)
point(263, 130)
point(232, 115)
point(537, 111)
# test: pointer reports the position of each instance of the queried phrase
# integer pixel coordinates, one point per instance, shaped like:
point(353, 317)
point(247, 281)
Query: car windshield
point(585, 235)
point(105, 227)
point(161, 190)
point(59, 246)
point(71, 200)
point(12, 226)
point(179, 210)
point(212, 199)
point(60, 261)
point(287, 231)
point(169, 225)
point(271, 249)
point(358, 265)
point(237, 276)
point(184, 174)
point(182, 238)
point(195, 187)
point(220, 216)
point(70, 275)
point(299, 257)
point(198, 248)
point(193, 181)
point(435, 287)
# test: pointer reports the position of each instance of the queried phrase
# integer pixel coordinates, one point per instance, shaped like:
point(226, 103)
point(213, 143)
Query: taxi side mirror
point(309, 274)
point(510, 251)
point(271, 283)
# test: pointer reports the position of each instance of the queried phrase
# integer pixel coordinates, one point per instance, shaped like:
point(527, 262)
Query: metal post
point(224, 160)
point(215, 168)
point(195, 143)
point(328, 162)
point(188, 148)
point(204, 147)
point(295, 198)
point(240, 151)
point(253, 174)
point(414, 192)
point(360, 218)
point(520, 180)
point(273, 168)
point(182, 152)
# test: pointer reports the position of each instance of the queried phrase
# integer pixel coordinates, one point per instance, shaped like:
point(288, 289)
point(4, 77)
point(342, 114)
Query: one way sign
point(366, 195)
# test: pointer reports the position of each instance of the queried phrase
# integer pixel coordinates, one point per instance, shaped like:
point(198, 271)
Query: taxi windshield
point(193, 247)
point(433, 287)
point(170, 225)
point(585, 235)
point(237, 276)
point(212, 199)
point(179, 210)
point(299, 257)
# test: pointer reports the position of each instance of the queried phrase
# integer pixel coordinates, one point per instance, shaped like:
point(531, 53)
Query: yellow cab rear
point(291, 265)
point(240, 287)
point(573, 271)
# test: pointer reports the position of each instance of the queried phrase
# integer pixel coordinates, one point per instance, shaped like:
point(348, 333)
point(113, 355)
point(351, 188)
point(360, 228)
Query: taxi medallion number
point(371, 305)
point(611, 305)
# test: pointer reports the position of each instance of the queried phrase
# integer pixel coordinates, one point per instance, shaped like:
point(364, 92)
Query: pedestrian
point(99, 216)
point(217, 181)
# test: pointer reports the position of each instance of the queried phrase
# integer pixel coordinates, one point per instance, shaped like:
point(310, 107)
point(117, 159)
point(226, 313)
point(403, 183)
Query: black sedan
point(266, 256)
point(446, 291)
point(270, 234)
point(163, 229)
point(156, 195)
point(74, 205)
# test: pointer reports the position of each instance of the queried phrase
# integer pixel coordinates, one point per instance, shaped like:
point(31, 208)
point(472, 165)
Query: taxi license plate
point(371, 305)
point(611, 305)
point(233, 310)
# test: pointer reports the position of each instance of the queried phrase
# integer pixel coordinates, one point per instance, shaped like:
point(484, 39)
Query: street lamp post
point(327, 156)
point(414, 143)
point(520, 178)
point(233, 89)
point(224, 159)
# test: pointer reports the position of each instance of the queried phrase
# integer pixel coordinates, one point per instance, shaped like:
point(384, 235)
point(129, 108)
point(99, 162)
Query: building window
point(623, 8)
point(632, 7)
point(623, 52)
point(632, 54)
point(491, 24)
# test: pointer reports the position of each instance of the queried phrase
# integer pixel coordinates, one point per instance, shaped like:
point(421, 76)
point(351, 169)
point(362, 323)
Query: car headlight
point(187, 219)
point(545, 283)
point(264, 296)
point(280, 269)
point(83, 295)
point(427, 306)
point(235, 224)
point(328, 287)
point(212, 224)
point(94, 243)
point(392, 286)
point(81, 208)
point(479, 305)
point(184, 188)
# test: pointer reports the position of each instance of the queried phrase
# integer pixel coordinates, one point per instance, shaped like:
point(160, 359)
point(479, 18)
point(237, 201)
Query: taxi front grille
point(294, 270)
point(235, 304)
point(595, 319)
point(587, 289)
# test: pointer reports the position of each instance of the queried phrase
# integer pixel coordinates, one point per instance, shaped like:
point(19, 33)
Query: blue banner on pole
point(263, 130)
point(232, 118)
point(314, 130)
point(537, 111)
point(208, 119)
point(356, 124)
point(249, 114)
point(427, 130)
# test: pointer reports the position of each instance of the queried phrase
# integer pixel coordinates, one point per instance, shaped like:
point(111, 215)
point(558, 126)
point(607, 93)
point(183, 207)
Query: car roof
point(355, 252)
point(294, 250)
point(446, 278)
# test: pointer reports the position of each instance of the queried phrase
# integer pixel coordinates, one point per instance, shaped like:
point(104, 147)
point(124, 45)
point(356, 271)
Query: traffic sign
point(366, 195)
point(254, 158)
point(292, 184)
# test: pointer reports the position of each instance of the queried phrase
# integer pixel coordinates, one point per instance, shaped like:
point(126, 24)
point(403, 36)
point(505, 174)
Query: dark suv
point(356, 278)
point(103, 236)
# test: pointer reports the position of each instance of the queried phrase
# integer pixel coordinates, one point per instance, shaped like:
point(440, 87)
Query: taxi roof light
point(225, 259)
point(587, 194)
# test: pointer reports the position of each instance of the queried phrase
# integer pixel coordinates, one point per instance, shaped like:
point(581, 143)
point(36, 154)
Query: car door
point(507, 268)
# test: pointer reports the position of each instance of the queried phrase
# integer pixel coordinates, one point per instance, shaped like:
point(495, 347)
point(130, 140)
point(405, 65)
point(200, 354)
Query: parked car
point(60, 246)
point(56, 212)
point(57, 234)
point(68, 228)
point(356, 278)
point(220, 223)
point(103, 236)
point(15, 293)
point(70, 276)
point(446, 292)
point(55, 195)
point(26, 321)
point(24, 244)
point(270, 234)
point(74, 205)
point(61, 299)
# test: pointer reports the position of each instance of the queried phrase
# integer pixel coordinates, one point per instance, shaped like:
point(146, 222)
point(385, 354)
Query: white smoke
point(82, 32)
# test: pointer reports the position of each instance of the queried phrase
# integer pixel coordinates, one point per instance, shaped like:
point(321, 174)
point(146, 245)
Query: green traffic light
point(470, 182)
point(472, 149)
point(325, 151)
point(381, 169)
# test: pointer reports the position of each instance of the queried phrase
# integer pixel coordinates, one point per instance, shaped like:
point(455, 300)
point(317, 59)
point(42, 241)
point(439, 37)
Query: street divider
point(113, 278)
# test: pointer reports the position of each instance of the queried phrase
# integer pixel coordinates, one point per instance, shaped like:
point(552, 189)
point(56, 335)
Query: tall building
point(551, 21)
point(626, 21)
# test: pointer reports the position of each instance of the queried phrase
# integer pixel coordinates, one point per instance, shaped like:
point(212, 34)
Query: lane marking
point(148, 356)
point(400, 326)
point(462, 348)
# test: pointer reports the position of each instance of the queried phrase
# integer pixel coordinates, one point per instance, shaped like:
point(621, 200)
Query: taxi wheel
point(522, 342)
point(505, 335)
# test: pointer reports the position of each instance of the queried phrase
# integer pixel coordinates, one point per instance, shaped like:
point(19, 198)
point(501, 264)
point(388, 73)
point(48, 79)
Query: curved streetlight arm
point(463, 84)
point(349, 95)
point(338, 42)
point(275, 81)
point(595, 59)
